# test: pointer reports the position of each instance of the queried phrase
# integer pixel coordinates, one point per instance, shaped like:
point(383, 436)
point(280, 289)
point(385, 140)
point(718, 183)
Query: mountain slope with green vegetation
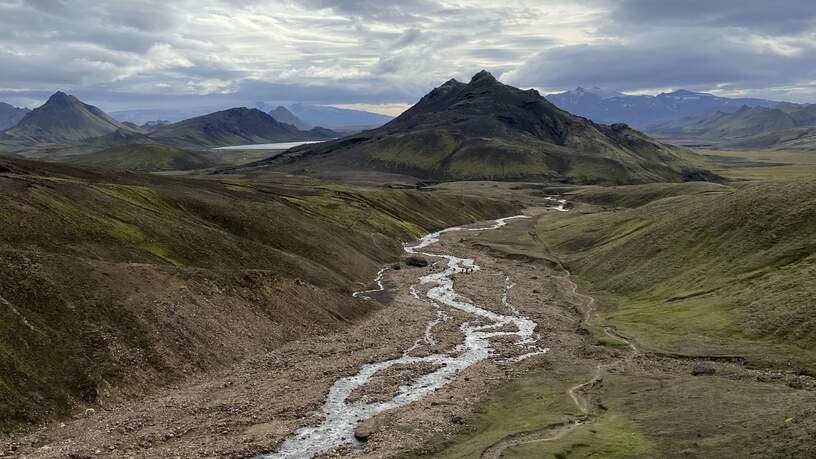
point(745, 122)
point(488, 130)
point(236, 126)
point(787, 139)
point(115, 283)
point(723, 271)
point(63, 119)
point(143, 158)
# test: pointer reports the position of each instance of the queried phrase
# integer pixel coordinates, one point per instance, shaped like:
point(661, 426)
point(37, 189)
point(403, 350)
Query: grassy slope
point(706, 272)
point(528, 404)
point(143, 158)
point(688, 417)
point(781, 164)
point(654, 416)
point(116, 280)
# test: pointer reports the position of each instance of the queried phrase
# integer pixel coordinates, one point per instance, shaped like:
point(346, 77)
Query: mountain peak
point(65, 119)
point(61, 98)
point(484, 75)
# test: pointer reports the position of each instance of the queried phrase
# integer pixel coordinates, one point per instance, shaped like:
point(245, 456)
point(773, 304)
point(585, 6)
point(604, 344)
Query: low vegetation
point(703, 272)
point(143, 158)
point(114, 283)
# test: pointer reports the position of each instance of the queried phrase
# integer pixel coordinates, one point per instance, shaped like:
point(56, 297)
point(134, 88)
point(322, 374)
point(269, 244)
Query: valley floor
point(594, 393)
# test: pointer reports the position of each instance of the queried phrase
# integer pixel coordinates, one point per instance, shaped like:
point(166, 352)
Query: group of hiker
point(466, 270)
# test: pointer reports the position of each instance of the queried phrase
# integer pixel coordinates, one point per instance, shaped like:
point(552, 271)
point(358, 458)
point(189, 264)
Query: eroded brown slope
point(119, 283)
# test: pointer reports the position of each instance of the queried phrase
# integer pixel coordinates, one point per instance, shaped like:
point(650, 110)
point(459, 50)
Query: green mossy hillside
point(723, 272)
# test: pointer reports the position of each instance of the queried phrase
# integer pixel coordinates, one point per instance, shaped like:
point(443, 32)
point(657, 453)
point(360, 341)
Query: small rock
point(702, 370)
point(795, 383)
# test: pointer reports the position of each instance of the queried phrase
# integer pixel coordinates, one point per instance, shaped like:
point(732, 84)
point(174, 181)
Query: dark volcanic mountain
point(488, 130)
point(64, 119)
point(642, 111)
point(283, 115)
point(10, 115)
point(236, 126)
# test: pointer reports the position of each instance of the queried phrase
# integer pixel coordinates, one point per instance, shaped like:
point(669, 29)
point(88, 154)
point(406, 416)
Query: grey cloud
point(683, 58)
point(764, 16)
point(399, 11)
point(220, 52)
point(408, 38)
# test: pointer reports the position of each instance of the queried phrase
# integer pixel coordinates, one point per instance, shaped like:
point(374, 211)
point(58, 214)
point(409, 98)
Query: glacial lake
point(269, 146)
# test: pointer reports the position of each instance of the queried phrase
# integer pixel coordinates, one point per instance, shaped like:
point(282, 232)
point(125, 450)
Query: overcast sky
point(383, 55)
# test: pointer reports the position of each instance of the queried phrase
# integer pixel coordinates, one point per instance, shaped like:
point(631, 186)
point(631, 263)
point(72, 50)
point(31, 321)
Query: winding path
point(576, 393)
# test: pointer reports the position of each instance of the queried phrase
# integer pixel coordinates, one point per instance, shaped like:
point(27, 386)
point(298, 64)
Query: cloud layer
point(152, 53)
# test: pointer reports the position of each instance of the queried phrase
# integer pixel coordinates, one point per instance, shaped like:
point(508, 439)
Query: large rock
point(702, 370)
point(369, 427)
point(418, 262)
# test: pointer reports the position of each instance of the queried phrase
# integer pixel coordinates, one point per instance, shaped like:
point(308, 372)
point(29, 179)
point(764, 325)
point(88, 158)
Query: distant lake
point(269, 146)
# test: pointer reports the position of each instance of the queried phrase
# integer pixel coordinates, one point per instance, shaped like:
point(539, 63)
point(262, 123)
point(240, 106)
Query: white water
point(380, 287)
point(562, 204)
point(341, 417)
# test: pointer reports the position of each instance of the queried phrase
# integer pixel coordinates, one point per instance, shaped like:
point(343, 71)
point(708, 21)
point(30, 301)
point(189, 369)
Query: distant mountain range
point(784, 139)
point(745, 122)
point(11, 115)
point(64, 119)
point(303, 116)
point(487, 130)
point(641, 111)
point(283, 115)
point(789, 126)
point(142, 116)
point(338, 118)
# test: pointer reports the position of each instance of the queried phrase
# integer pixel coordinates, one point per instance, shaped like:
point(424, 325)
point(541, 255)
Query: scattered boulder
point(368, 428)
point(702, 370)
point(795, 383)
point(416, 261)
